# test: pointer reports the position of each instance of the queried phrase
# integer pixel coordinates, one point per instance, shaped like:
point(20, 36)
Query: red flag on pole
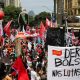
point(19, 67)
point(7, 28)
point(42, 30)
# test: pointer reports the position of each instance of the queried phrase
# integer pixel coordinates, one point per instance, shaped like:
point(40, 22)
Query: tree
point(42, 17)
point(31, 21)
point(11, 12)
point(31, 16)
point(31, 13)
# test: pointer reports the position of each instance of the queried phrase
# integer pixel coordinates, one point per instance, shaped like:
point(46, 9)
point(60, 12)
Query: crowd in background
point(31, 50)
point(34, 56)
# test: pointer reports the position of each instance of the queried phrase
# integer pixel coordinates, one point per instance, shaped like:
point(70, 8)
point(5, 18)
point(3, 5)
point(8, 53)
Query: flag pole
point(1, 34)
point(66, 29)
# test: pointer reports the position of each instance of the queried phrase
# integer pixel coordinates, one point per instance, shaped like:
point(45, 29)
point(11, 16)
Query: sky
point(37, 5)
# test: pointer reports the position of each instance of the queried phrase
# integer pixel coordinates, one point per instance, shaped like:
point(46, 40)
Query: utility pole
point(59, 10)
point(55, 7)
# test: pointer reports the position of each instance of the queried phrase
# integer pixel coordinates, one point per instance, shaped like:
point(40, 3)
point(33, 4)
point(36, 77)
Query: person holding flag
point(17, 69)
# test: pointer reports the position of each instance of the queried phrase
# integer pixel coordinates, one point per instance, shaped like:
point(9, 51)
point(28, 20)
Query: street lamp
point(51, 12)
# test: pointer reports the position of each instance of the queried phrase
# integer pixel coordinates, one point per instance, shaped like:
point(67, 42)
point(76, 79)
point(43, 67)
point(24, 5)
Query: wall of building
point(69, 8)
point(72, 7)
point(1, 4)
point(16, 3)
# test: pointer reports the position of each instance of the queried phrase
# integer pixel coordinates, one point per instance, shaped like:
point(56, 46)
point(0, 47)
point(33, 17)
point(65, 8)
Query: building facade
point(72, 7)
point(64, 8)
point(1, 3)
point(59, 10)
point(15, 3)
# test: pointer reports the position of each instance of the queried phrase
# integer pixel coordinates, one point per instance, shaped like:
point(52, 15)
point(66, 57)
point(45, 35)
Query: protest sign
point(63, 63)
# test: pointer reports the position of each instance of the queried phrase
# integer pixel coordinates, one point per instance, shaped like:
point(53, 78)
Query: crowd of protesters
point(31, 50)
point(34, 56)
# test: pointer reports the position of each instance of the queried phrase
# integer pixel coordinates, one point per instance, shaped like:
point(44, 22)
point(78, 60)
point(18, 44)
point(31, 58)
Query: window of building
point(79, 11)
point(78, 6)
point(11, 2)
point(79, 2)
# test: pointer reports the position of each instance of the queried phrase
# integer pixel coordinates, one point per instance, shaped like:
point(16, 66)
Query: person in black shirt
point(2, 70)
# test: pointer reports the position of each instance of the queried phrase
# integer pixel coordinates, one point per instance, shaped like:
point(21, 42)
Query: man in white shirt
point(33, 74)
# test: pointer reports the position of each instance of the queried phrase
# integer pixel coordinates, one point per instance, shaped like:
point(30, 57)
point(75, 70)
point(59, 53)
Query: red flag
point(1, 41)
point(48, 23)
point(57, 52)
point(7, 28)
point(42, 30)
point(19, 67)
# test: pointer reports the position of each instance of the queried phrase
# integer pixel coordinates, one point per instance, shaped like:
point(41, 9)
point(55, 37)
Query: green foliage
point(42, 17)
point(11, 12)
point(33, 21)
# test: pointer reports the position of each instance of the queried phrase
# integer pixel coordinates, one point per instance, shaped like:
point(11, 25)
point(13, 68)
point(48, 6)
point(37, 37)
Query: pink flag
point(54, 24)
point(7, 28)
point(48, 23)
point(42, 30)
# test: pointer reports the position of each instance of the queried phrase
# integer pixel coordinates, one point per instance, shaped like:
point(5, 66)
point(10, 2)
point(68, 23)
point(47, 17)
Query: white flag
point(1, 28)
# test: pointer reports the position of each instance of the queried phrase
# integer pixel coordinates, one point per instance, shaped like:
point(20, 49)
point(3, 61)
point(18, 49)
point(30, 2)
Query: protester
point(33, 58)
